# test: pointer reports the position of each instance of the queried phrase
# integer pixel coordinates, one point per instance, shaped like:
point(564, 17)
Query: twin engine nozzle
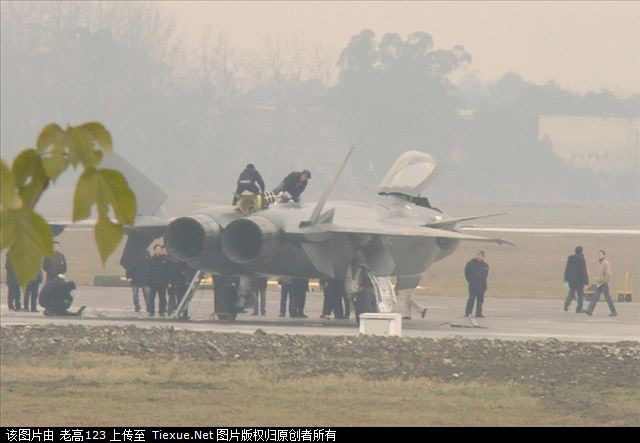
point(200, 238)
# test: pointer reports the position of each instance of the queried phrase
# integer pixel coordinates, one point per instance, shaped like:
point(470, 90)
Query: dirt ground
point(65, 374)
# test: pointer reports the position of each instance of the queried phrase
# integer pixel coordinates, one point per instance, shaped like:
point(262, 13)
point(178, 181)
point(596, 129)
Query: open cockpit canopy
point(410, 174)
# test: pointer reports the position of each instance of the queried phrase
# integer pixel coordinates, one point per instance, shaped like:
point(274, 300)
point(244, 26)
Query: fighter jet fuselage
point(220, 240)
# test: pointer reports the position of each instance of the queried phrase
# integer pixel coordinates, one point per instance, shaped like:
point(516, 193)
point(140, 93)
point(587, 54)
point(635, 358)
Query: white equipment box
point(389, 324)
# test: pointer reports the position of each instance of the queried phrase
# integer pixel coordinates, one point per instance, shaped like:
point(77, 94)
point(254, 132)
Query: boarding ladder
point(385, 293)
point(181, 310)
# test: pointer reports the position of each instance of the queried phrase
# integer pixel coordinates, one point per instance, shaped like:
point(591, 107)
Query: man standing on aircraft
point(55, 264)
point(294, 183)
point(247, 182)
point(603, 275)
point(476, 273)
point(575, 275)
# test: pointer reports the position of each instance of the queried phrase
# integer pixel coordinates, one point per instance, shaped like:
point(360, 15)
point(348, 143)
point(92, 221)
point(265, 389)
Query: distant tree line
point(193, 118)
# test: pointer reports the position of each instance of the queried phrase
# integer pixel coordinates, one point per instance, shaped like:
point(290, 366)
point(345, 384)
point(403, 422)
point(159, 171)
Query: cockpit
point(411, 173)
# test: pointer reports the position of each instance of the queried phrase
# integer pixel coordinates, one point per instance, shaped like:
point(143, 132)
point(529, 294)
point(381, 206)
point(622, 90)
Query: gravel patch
point(547, 364)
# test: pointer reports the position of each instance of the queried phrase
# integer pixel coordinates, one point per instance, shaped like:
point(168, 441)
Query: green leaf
point(8, 230)
point(99, 134)
point(74, 154)
point(104, 187)
point(30, 177)
point(81, 145)
point(33, 240)
point(118, 194)
point(85, 194)
point(8, 197)
point(108, 236)
point(55, 165)
point(50, 135)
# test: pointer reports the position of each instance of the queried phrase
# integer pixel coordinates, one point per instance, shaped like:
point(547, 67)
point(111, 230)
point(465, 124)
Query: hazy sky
point(582, 45)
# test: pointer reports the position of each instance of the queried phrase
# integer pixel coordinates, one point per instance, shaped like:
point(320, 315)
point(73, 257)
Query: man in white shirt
point(601, 280)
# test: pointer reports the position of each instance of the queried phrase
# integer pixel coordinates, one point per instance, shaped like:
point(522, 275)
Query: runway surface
point(507, 319)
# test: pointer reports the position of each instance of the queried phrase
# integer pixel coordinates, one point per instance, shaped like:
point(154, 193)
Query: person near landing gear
point(333, 290)
point(299, 289)
point(260, 292)
point(285, 289)
point(410, 304)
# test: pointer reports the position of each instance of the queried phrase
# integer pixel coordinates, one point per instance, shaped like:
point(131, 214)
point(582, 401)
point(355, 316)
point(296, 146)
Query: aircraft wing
point(543, 230)
point(139, 237)
point(378, 228)
point(143, 223)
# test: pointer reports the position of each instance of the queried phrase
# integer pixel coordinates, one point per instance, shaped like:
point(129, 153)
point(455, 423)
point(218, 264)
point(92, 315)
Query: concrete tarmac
point(506, 319)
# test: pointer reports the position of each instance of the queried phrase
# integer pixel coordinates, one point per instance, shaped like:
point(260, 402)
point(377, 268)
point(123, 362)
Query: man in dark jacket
point(476, 273)
point(158, 281)
point(138, 275)
point(575, 275)
point(333, 290)
point(294, 183)
point(247, 182)
point(225, 296)
point(13, 296)
point(298, 293)
point(31, 293)
point(285, 288)
point(56, 298)
point(260, 285)
point(55, 264)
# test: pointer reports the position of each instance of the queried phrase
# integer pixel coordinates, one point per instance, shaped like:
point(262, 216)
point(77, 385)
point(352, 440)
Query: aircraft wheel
point(628, 298)
point(364, 302)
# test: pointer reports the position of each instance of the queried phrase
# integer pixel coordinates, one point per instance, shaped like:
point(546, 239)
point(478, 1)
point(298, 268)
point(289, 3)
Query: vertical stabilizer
point(316, 215)
point(149, 196)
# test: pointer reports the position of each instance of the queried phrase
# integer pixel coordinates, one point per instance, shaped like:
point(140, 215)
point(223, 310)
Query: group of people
point(250, 180)
point(293, 290)
point(56, 296)
point(576, 278)
point(336, 300)
point(159, 277)
point(165, 279)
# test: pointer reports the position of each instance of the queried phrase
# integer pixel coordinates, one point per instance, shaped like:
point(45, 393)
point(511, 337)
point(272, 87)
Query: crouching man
point(56, 298)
